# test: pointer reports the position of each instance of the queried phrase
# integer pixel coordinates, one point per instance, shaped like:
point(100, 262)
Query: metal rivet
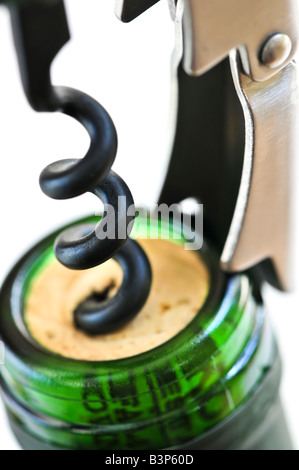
point(276, 50)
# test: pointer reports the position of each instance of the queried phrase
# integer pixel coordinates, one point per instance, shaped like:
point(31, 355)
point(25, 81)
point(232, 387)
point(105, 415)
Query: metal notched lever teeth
point(235, 125)
point(40, 30)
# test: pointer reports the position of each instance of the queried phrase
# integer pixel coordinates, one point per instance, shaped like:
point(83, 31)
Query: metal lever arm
point(128, 10)
point(246, 197)
point(261, 224)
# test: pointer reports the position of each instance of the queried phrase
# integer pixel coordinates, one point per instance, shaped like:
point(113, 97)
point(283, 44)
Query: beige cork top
point(179, 289)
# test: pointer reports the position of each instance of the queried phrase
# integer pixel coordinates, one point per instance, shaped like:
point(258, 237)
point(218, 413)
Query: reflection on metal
point(276, 50)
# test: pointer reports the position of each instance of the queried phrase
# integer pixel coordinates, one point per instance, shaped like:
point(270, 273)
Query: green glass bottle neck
point(158, 399)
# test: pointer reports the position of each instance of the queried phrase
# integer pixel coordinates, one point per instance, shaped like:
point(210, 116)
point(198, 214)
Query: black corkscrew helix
point(40, 30)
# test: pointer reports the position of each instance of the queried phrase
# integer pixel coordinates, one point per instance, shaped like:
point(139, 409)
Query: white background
point(127, 69)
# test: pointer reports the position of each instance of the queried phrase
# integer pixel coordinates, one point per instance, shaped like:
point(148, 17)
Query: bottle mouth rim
point(26, 359)
point(14, 286)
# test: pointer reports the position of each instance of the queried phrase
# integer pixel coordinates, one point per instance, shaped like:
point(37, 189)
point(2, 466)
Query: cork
point(179, 288)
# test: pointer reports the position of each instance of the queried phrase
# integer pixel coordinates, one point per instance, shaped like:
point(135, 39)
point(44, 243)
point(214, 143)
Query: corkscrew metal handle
point(40, 31)
point(234, 139)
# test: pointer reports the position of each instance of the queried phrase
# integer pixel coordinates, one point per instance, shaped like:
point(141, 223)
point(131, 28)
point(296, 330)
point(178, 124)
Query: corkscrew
point(40, 30)
point(234, 122)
